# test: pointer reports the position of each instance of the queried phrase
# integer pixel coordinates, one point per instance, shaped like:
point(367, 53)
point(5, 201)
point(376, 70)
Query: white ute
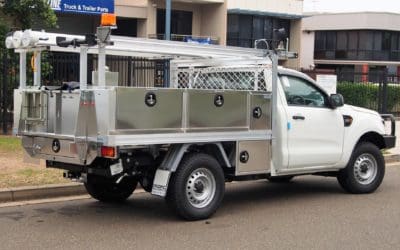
point(226, 114)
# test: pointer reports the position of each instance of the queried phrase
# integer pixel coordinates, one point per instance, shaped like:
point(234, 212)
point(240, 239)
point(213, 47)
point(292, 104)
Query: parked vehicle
point(229, 114)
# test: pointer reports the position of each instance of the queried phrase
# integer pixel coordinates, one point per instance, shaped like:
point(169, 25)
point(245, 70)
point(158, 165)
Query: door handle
point(298, 117)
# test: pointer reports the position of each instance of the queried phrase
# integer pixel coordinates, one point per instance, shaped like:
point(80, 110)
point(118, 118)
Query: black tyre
point(280, 179)
point(197, 188)
point(365, 170)
point(106, 190)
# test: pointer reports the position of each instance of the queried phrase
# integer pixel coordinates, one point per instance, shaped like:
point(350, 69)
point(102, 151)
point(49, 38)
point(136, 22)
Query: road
point(310, 213)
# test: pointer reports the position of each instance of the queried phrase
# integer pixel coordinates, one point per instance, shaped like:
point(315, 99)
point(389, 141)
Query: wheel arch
point(374, 138)
point(177, 152)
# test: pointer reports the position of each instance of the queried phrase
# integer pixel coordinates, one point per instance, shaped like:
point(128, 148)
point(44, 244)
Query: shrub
point(367, 95)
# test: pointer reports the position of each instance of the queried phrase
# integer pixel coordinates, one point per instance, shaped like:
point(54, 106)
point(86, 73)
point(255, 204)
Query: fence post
point(384, 91)
point(4, 93)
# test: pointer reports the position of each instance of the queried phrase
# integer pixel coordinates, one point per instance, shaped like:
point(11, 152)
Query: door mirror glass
point(336, 100)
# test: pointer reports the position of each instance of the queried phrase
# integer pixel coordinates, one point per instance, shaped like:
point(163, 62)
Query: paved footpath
point(310, 213)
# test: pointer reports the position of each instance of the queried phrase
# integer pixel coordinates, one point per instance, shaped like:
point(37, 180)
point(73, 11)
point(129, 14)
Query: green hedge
point(366, 95)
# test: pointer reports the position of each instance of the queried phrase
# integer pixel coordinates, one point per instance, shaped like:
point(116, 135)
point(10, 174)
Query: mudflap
point(160, 184)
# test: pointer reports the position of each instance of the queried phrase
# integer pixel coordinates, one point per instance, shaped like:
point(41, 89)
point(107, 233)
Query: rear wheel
point(365, 171)
point(197, 187)
point(106, 190)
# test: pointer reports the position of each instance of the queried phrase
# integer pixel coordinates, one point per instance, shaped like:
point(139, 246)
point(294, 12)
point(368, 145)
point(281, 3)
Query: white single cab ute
point(225, 114)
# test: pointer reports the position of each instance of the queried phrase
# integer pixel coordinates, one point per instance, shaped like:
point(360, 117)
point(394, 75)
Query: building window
point(126, 27)
point(243, 30)
point(181, 22)
point(370, 45)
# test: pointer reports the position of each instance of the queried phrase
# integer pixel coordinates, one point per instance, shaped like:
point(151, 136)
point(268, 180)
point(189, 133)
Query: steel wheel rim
point(365, 169)
point(200, 188)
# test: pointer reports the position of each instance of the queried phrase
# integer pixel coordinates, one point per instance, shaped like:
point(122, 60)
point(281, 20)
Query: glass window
point(353, 40)
point(386, 41)
point(299, 92)
point(320, 40)
point(181, 22)
point(366, 40)
point(258, 28)
point(377, 40)
point(246, 23)
point(268, 28)
point(330, 40)
point(393, 45)
point(341, 40)
point(244, 29)
point(233, 26)
point(398, 43)
point(126, 27)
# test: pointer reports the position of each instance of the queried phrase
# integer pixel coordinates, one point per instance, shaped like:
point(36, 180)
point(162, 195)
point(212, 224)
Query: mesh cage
point(254, 77)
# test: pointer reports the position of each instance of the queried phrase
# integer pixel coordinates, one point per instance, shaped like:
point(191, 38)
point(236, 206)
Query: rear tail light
point(108, 152)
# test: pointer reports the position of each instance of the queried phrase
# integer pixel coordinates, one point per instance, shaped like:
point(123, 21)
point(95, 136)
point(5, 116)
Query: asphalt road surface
point(309, 213)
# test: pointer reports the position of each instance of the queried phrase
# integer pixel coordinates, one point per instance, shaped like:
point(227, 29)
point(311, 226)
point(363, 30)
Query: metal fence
point(135, 72)
point(58, 68)
point(9, 75)
point(378, 90)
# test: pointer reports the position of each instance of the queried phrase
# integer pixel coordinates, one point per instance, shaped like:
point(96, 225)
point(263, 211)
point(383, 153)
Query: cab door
point(315, 130)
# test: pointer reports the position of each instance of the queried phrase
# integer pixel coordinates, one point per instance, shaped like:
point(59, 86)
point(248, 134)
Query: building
point(351, 44)
point(145, 18)
point(239, 22)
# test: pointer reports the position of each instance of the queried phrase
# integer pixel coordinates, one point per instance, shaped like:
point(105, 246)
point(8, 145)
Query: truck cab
point(319, 131)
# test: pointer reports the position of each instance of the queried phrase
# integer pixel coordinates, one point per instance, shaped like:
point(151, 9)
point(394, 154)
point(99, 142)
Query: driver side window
point(299, 92)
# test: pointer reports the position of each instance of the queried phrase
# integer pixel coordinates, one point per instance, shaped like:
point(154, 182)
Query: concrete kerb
point(41, 192)
point(392, 158)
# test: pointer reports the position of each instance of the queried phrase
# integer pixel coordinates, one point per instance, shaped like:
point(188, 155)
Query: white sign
point(328, 83)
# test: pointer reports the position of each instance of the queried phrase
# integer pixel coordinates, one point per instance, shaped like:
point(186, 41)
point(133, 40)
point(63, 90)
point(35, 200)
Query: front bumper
point(390, 140)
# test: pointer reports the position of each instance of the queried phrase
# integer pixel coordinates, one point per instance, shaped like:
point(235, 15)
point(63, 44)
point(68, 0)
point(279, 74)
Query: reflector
point(108, 152)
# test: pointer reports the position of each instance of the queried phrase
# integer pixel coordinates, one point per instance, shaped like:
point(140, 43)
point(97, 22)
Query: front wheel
point(106, 190)
point(365, 170)
point(197, 187)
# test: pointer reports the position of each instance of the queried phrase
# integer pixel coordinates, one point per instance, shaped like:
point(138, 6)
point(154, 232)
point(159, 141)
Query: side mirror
point(336, 100)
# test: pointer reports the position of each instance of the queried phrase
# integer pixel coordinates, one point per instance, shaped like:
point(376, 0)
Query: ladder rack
point(182, 55)
point(127, 46)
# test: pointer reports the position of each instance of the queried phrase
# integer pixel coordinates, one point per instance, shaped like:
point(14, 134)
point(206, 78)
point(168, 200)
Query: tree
point(25, 14)
point(21, 15)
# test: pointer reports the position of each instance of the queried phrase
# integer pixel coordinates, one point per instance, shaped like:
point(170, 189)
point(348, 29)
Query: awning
point(265, 13)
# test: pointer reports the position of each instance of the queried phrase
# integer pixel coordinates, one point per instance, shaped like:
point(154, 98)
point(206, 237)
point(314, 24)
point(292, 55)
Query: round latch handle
point(257, 112)
point(244, 157)
point(219, 100)
point(150, 99)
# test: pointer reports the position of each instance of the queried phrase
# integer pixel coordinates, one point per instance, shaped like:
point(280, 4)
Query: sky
point(351, 5)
